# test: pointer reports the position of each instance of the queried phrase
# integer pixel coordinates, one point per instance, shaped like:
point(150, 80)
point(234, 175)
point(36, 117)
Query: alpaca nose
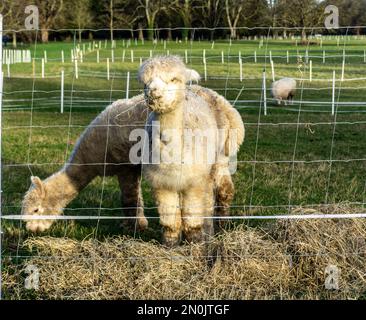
point(154, 93)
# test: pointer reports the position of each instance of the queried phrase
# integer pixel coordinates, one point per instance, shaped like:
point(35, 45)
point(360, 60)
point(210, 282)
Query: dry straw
point(282, 260)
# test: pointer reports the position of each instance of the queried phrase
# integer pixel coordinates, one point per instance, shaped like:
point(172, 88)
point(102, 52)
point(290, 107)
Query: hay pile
point(248, 266)
point(315, 244)
point(284, 260)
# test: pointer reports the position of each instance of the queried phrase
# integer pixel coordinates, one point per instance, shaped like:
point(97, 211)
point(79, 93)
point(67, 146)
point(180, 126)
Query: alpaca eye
point(175, 80)
point(36, 210)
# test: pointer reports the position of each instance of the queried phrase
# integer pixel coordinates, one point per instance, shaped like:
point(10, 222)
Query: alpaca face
point(36, 202)
point(163, 93)
point(164, 79)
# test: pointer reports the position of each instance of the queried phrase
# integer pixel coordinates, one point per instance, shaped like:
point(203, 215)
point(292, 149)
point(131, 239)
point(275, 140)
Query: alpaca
point(102, 150)
point(184, 189)
point(283, 90)
point(114, 125)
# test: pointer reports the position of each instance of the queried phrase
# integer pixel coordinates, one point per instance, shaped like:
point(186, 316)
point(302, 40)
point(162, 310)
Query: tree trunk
point(170, 37)
point(14, 39)
point(141, 33)
point(150, 31)
point(232, 33)
point(303, 34)
point(44, 35)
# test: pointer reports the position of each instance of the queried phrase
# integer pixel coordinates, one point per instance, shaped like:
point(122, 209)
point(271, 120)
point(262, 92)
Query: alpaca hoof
point(38, 225)
point(194, 236)
point(170, 242)
point(142, 223)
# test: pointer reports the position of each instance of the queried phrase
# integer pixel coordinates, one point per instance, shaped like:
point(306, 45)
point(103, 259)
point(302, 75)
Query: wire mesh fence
point(300, 171)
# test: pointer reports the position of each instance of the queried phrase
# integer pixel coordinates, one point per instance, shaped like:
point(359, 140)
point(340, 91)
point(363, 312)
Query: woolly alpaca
point(112, 128)
point(283, 90)
point(184, 190)
point(103, 149)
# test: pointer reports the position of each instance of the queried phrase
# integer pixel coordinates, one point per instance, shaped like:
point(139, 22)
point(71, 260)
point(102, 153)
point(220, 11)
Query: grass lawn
point(283, 161)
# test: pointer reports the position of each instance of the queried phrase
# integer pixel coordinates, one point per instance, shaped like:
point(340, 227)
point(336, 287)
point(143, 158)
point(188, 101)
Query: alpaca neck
point(173, 119)
point(60, 189)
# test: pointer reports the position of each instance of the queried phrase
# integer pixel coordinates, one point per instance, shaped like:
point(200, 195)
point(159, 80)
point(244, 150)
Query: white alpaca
point(184, 186)
point(107, 139)
point(284, 90)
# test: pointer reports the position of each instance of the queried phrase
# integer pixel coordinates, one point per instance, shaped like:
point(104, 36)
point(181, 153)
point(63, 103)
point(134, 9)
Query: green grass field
point(37, 138)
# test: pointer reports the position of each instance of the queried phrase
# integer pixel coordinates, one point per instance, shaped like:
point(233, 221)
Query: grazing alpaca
point(284, 90)
point(184, 189)
point(102, 150)
point(87, 160)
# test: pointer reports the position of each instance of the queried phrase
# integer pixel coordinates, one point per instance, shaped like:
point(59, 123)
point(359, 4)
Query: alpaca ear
point(38, 185)
point(192, 75)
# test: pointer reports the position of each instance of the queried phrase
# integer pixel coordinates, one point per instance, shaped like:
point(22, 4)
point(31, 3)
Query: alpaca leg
point(170, 215)
point(224, 195)
point(131, 197)
point(197, 203)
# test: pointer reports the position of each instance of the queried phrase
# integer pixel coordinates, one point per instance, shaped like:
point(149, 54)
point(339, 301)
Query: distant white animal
point(284, 90)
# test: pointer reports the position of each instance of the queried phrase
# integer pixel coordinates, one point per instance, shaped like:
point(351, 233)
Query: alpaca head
point(164, 79)
point(37, 201)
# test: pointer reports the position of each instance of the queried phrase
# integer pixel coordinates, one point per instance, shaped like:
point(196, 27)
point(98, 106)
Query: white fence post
point(43, 68)
point(264, 94)
point(205, 70)
point(273, 72)
point(333, 93)
point(222, 57)
point(343, 63)
point(186, 56)
point(287, 57)
point(310, 70)
point(127, 84)
point(62, 90)
point(76, 69)
point(241, 70)
point(1, 99)
point(62, 56)
point(108, 68)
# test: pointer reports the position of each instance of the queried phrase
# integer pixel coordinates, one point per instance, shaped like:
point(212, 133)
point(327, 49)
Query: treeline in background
point(184, 19)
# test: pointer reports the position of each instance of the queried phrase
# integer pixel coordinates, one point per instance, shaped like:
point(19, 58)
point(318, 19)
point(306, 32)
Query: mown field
point(297, 156)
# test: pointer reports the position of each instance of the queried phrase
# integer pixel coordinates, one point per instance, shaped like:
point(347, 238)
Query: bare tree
point(13, 14)
point(49, 12)
point(79, 14)
point(120, 13)
point(184, 8)
point(305, 14)
point(233, 11)
point(209, 14)
point(150, 9)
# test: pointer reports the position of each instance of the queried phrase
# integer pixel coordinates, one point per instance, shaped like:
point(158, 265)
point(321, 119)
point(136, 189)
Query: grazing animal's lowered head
point(164, 79)
point(284, 90)
point(47, 197)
